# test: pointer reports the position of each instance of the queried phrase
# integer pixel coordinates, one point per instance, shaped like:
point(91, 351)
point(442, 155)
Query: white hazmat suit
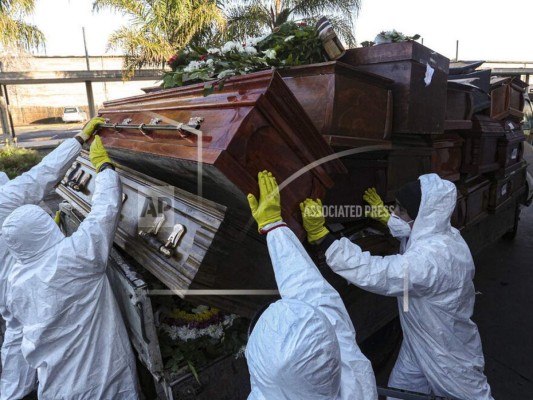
point(303, 346)
point(18, 379)
point(73, 332)
point(441, 350)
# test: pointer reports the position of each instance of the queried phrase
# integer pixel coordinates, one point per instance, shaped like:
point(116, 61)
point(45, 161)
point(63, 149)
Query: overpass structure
point(54, 77)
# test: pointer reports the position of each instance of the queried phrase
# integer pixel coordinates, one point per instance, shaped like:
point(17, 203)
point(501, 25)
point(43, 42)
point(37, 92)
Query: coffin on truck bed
point(253, 124)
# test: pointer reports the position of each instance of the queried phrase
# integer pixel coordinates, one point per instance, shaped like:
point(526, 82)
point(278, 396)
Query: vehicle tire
point(511, 234)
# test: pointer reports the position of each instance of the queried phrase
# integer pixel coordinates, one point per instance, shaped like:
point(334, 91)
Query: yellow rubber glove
point(379, 212)
point(313, 219)
point(268, 209)
point(98, 154)
point(90, 127)
point(57, 218)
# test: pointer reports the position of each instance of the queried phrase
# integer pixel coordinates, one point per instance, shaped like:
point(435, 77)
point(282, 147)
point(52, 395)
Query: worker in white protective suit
point(303, 346)
point(18, 379)
point(73, 333)
point(441, 352)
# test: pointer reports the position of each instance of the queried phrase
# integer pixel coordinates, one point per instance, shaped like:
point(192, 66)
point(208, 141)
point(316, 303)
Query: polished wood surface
point(254, 123)
point(342, 100)
point(418, 107)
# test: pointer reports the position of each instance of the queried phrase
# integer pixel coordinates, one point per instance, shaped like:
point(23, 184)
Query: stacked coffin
point(418, 97)
point(454, 120)
point(492, 170)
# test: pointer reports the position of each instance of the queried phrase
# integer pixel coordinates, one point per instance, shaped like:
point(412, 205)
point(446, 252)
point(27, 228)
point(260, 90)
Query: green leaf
point(168, 81)
point(208, 89)
point(178, 79)
point(193, 370)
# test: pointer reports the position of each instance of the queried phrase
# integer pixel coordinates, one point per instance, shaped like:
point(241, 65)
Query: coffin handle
point(140, 310)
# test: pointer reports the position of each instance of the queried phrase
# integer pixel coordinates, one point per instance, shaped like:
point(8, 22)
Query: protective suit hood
point(436, 207)
point(29, 230)
point(301, 357)
point(3, 178)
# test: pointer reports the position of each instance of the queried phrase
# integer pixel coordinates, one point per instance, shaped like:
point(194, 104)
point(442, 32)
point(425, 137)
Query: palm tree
point(13, 30)
point(256, 17)
point(158, 27)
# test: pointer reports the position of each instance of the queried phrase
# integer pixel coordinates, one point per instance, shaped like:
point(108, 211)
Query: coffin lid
point(251, 122)
point(394, 52)
point(336, 67)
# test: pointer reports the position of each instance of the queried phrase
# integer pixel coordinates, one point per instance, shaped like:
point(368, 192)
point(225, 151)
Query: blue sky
point(484, 30)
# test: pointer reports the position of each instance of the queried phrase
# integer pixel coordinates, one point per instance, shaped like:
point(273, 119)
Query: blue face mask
point(398, 227)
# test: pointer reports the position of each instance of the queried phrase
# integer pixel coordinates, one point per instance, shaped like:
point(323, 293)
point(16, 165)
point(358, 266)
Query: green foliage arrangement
point(192, 337)
point(292, 44)
point(14, 161)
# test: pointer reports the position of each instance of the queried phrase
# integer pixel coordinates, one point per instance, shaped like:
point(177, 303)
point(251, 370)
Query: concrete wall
point(32, 103)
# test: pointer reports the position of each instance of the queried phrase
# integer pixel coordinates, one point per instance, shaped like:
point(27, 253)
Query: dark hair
point(409, 197)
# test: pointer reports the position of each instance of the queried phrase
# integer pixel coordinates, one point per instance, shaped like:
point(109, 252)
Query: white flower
point(215, 331)
point(250, 50)
point(193, 66)
point(240, 352)
point(270, 53)
point(289, 38)
point(213, 50)
point(254, 41)
point(228, 320)
point(184, 333)
point(229, 46)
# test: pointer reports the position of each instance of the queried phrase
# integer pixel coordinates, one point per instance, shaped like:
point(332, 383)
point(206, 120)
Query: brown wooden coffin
point(476, 191)
point(253, 124)
point(500, 191)
point(459, 108)
point(507, 98)
point(341, 100)
point(385, 167)
point(480, 150)
point(447, 156)
point(446, 152)
point(418, 107)
point(504, 187)
point(511, 144)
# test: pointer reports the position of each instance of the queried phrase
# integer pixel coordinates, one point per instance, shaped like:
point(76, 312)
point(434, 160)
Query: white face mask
point(398, 227)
